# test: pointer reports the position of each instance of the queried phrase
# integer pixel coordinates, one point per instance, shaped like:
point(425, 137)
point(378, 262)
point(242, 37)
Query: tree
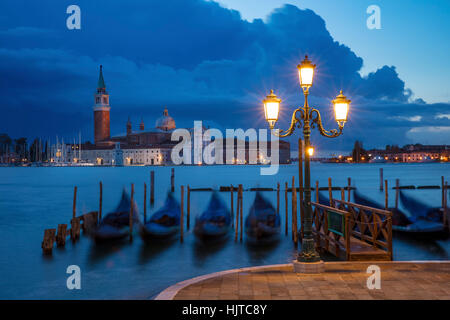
point(5, 144)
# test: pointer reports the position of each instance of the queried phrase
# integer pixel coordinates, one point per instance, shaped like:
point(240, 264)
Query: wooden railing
point(331, 239)
point(334, 227)
point(369, 224)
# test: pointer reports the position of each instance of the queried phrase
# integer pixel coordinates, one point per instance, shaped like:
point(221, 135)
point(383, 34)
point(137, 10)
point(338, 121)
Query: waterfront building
point(152, 146)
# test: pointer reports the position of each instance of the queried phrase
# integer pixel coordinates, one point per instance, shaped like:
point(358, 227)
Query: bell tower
point(101, 111)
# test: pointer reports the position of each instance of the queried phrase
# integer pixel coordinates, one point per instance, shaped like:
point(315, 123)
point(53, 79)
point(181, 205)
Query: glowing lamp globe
point(341, 106)
point(306, 73)
point(271, 108)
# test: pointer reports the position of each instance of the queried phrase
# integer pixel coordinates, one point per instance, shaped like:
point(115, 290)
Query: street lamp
point(307, 118)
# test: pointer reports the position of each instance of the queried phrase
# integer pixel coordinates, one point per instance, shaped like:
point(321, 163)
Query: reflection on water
point(33, 199)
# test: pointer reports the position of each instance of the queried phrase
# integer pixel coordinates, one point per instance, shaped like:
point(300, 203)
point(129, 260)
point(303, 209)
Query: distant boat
point(262, 224)
point(116, 225)
point(215, 221)
point(378, 159)
point(165, 222)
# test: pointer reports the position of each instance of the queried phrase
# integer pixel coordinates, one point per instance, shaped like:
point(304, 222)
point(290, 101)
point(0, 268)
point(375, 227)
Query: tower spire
point(101, 82)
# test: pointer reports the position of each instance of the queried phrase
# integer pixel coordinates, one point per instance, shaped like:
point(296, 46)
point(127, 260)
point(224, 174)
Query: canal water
point(33, 199)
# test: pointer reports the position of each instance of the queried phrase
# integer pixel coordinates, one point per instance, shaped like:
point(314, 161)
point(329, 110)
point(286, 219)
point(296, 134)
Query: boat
point(420, 209)
point(263, 223)
point(414, 226)
point(399, 218)
point(116, 225)
point(215, 221)
point(165, 222)
point(323, 200)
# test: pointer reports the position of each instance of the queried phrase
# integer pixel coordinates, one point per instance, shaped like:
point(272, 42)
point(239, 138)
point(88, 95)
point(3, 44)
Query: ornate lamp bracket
point(295, 122)
point(317, 120)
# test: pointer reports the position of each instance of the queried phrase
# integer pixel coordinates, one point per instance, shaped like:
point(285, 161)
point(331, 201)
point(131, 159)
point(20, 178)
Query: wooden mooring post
point(188, 213)
point(317, 191)
point(182, 214)
point(381, 179)
point(61, 235)
point(386, 195)
point(49, 239)
point(75, 227)
point(172, 180)
point(343, 194)
point(294, 211)
point(241, 191)
point(397, 191)
point(445, 218)
point(237, 214)
point(232, 206)
point(131, 212)
point(145, 202)
point(349, 185)
point(443, 192)
point(287, 205)
point(152, 188)
point(74, 207)
point(330, 191)
point(278, 198)
point(100, 204)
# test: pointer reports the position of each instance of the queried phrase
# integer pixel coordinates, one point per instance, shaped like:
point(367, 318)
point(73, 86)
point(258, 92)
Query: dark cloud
point(200, 59)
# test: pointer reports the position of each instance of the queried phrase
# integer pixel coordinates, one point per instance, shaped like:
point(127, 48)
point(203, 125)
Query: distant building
point(142, 147)
point(412, 153)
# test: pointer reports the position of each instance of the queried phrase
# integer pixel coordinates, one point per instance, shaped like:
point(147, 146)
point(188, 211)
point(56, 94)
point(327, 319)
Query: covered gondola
point(215, 221)
point(165, 222)
point(420, 210)
point(415, 226)
point(399, 218)
point(263, 223)
point(116, 225)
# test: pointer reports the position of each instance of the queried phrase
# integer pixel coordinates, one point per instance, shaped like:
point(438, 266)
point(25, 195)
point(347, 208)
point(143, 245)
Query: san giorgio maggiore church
point(137, 147)
point(143, 146)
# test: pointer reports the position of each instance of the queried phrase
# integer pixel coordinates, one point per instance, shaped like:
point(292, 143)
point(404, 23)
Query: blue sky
point(414, 36)
point(207, 62)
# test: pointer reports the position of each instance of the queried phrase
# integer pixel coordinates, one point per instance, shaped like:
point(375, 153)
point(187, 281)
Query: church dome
point(166, 122)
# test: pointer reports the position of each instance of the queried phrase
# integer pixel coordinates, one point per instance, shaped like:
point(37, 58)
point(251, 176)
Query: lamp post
point(308, 118)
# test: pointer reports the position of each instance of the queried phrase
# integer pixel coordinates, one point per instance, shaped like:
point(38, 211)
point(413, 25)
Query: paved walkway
point(340, 281)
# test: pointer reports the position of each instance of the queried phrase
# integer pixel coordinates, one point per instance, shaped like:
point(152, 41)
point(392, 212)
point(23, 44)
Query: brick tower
point(101, 111)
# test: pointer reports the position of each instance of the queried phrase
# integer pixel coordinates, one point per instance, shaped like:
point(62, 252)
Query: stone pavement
point(340, 281)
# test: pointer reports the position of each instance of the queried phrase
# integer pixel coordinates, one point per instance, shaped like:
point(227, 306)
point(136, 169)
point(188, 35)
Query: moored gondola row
point(262, 224)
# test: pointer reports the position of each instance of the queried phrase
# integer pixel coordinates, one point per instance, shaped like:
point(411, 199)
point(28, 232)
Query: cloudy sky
point(216, 61)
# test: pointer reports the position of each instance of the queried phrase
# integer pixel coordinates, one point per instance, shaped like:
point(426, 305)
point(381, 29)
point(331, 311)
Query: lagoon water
point(33, 199)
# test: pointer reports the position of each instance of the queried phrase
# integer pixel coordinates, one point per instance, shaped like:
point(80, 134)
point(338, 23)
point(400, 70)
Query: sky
point(216, 62)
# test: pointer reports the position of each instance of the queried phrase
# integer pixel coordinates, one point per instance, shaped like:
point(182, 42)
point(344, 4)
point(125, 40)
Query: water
point(33, 199)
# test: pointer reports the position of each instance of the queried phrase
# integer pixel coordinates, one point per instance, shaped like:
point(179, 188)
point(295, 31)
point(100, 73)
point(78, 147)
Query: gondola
point(116, 225)
point(421, 210)
point(399, 218)
point(262, 224)
point(165, 222)
point(215, 221)
point(413, 226)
